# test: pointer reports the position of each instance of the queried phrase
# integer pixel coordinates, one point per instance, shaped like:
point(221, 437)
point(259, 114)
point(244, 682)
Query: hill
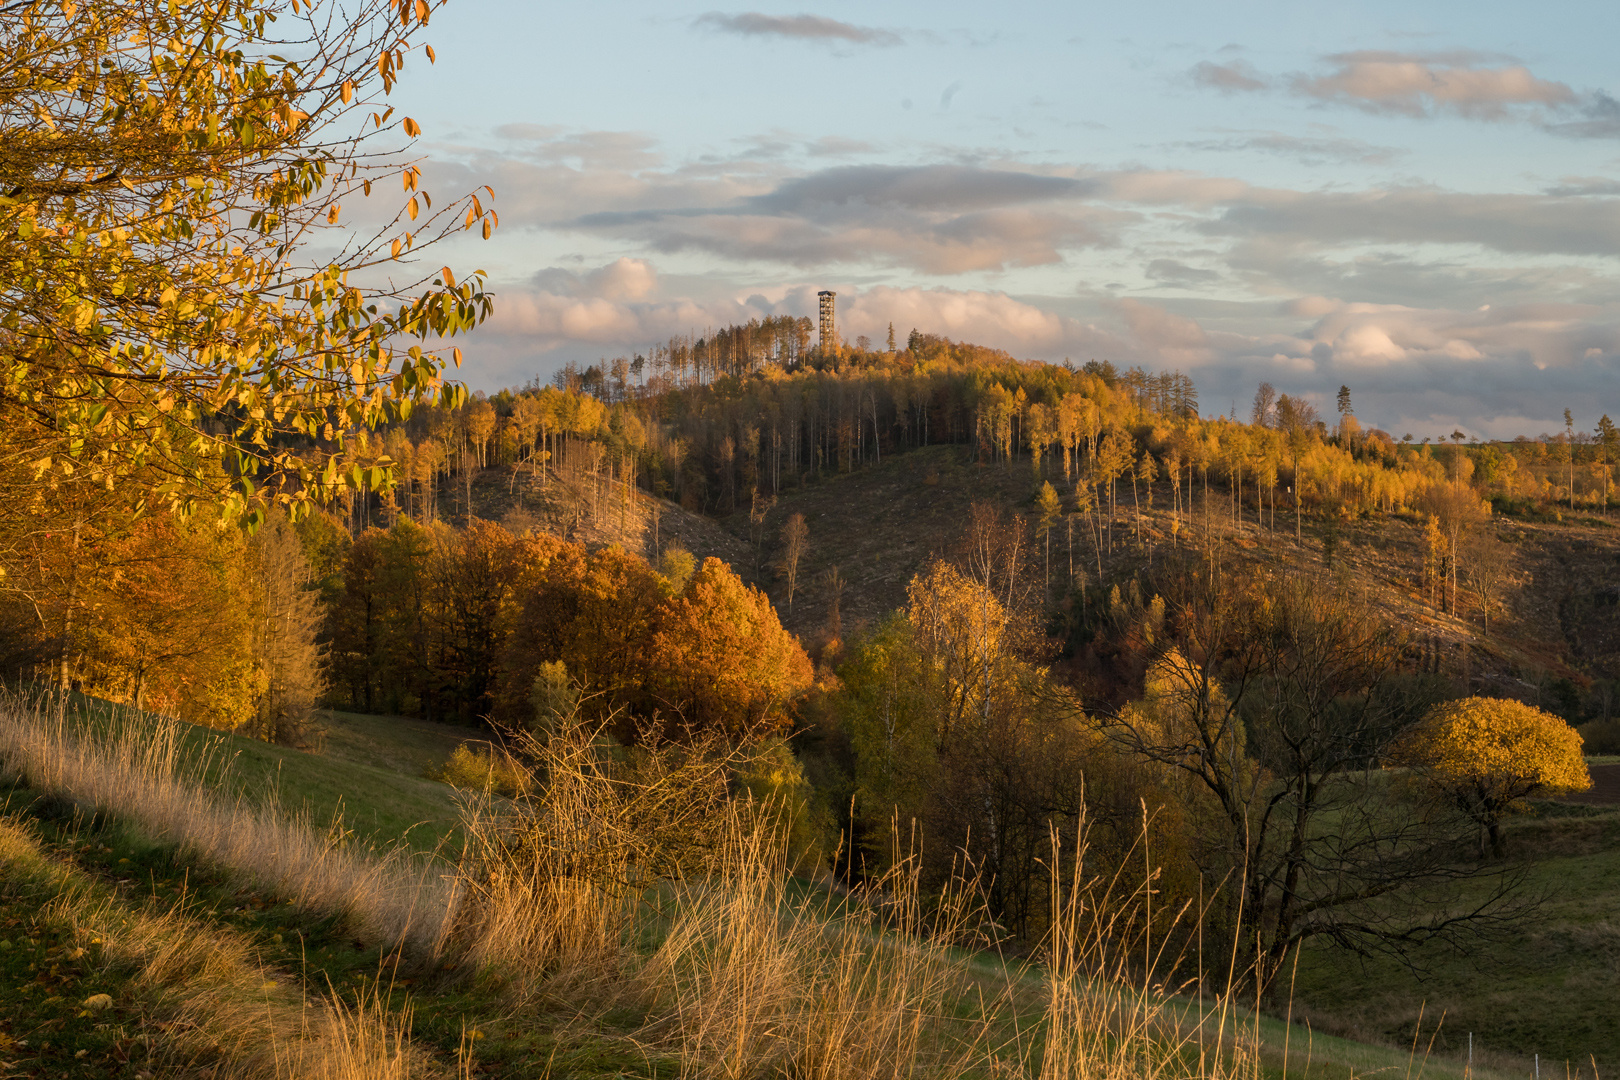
point(1554, 628)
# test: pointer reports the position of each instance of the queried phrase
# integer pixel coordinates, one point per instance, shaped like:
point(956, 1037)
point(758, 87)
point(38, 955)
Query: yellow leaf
point(332, 215)
point(429, 49)
point(412, 208)
point(348, 90)
point(412, 128)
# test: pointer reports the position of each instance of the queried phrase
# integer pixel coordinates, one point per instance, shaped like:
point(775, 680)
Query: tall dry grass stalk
point(133, 766)
point(755, 977)
point(553, 880)
point(1113, 1010)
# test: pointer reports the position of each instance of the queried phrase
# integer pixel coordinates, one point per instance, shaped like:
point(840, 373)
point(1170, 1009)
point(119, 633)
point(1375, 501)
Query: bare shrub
point(551, 880)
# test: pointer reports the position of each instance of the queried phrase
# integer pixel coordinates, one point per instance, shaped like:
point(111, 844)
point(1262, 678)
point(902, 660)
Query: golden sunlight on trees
point(721, 661)
point(459, 624)
point(167, 331)
point(1483, 755)
point(285, 632)
point(1274, 698)
point(168, 612)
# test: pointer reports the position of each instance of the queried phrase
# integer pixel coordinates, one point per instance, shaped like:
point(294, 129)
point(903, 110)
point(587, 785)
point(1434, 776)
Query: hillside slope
point(1554, 625)
point(595, 511)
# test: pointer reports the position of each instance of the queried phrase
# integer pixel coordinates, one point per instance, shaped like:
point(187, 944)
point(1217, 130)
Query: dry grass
point(631, 879)
point(552, 882)
point(752, 980)
point(205, 1003)
point(133, 767)
point(641, 882)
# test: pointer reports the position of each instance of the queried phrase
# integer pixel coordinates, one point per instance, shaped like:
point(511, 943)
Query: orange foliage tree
point(720, 658)
point(1483, 755)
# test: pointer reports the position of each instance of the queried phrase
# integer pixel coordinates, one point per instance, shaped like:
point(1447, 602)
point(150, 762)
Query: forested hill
point(1500, 552)
point(1499, 556)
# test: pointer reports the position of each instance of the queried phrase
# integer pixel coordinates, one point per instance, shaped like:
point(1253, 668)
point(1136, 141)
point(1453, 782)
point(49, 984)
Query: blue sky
point(1419, 201)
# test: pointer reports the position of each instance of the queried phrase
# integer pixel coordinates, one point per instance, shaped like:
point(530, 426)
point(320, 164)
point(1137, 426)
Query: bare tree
point(1486, 566)
point(835, 593)
point(1275, 702)
point(795, 536)
point(1265, 406)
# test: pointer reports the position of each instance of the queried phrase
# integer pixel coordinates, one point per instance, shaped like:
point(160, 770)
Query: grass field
point(1540, 989)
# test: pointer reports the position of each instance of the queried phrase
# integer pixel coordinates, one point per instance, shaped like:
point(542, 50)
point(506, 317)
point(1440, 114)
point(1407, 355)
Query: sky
point(1420, 201)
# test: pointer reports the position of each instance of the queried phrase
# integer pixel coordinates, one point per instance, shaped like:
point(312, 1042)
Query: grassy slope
point(370, 759)
point(370, 769)
point(1547, 987)
point(375, 756)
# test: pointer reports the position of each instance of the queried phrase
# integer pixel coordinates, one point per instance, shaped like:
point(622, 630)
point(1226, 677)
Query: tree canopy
point(184, 318)
point(1485, 754)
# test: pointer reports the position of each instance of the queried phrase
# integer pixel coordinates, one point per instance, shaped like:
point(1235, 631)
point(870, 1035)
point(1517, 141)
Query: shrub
point(485, 768)
point(1601, 736)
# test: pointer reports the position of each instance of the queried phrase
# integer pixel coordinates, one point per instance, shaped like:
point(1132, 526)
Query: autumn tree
point(594, 612)
point(1608, 442)
point(1569, 454)
point(888, 700)
point(286, 633)
point(795, 537)
point(720, 660)
point(174, 323)
point(170, 611)
point(1484, 755)
point(1048, 508)
point(1457, 508)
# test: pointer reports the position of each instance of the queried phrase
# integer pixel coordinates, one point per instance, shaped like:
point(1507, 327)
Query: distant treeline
point(751, 410)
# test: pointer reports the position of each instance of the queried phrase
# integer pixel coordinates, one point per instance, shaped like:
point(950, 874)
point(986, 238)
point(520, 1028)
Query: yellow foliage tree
point(176, 297)
point(1485, 754)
